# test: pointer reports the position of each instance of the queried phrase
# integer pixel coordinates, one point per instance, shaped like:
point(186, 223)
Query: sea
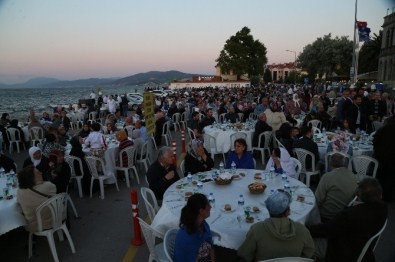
point(19, 101)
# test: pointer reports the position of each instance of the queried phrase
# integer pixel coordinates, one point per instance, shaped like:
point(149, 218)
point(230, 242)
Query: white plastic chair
point(129, 130)
point(93, 164)
point(279, 144)
point(12, 134)
point(211, 147)
point(316, 130)
point(252, 116)
point(235, 136)
point(297, 164)
point(71, 160)
point(176, 121)
point(57, 206)
point(347, 159)
point(143, 156)
point(182, 169)
point(191, 134)
point(130, 152)
point(222, 117)
point(315, 123)
point(361, 165)
point(169, 243)
point(241, 117)
point(289, 259)
point(266, 146)
point(166, 133)
point(184, 120)
point(157, 252)
point(36, 135)
point(151, 205)
point(301, 155)
point(367, 245)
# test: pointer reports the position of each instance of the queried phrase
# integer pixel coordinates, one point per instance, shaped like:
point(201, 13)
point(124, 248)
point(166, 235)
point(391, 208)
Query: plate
point(236, 177)
point(364, 146)
point(228, 211)
point(252, 210)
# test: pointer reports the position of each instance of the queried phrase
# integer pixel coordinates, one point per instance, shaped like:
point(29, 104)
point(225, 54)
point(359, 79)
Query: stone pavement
point(104, 230)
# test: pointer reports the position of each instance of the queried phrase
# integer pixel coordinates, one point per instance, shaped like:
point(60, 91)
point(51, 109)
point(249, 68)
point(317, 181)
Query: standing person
point(124, 105)
point(162, 173)
point(32, 192)
point(355, 113)
point(65, 121)
point(112, 105)
point(343, 237)
point(377, 109)
point(343, 106)
point(277, 236)
point(96, 141)
point(194, 240)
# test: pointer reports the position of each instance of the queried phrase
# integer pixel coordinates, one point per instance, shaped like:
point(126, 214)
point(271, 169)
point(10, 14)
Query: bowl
point(257, 188)
point(221, 182)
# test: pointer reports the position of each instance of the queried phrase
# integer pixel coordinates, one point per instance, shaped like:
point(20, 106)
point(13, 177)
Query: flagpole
point(354, 62)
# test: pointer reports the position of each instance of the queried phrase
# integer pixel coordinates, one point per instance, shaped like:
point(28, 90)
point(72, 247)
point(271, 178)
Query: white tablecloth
point(232, 235)
point(223, 138)
point(11, 216)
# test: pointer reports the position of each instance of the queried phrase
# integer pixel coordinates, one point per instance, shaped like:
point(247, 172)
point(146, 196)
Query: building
point(209, 81)
point(386, 69)
point(281, 71)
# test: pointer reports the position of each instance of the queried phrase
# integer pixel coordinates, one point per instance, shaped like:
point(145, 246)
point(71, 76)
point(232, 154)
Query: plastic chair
point(329, 155)
point(235, 136)
point(222, 117)
point(316, 130)
point(14, 137)
point(166, 133)
point(176, 121)
point(241, 117)
point(36, 135)
point(315, 123)
point(279, 144)
point(301, 155)
point(252, 116)
point(57, 206)
point(211, 147)
point(157, 252)
point(191, 134)
point(93, 164)
point(182, 169)
point(129, 130)
point(169, 243)
point(361, 165)
point(367, 245)
point(143, 157)
point(266, 146)
point(297, 164)
point(130, 152)
point(184, 120)
point(377, 125)
point(71, 160)
point(289, 259)
point(151, 205)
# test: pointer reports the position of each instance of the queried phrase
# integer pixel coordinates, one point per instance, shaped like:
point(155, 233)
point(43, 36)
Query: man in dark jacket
point(349, 230)
point(306, 142)
point(260, 127)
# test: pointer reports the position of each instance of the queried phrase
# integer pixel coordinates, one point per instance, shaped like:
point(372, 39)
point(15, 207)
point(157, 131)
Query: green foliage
point(267, 77)
point(290, 79)
point(327, 55)
point(369, 55)
point(243, 55)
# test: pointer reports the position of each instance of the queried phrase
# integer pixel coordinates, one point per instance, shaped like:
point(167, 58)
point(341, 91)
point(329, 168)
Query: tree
point(369, 55)
point(243, 55)
point(327, 55)
point(267, 77)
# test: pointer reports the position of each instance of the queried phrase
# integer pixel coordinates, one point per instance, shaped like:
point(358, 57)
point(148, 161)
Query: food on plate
point(257, 188)
point(242, 174)
point(194, 182)
point(300, 198)
point(249, 220)
point(178, 186)
point(236, 177)
point(255, 209)
point(228, 207)
point(188, 194)
point(258, 176)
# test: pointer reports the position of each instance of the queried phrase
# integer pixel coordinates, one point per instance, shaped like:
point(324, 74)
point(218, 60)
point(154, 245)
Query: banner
point(363, 31)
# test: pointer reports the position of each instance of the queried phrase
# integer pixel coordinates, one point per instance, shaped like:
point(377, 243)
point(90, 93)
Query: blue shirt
point(246, 161)
point(187, 245)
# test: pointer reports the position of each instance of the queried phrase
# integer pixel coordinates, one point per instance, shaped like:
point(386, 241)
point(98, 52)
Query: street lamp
point(294, 62)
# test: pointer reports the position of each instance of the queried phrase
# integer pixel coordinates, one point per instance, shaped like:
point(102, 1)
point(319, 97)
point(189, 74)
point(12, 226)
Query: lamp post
point(294, 62)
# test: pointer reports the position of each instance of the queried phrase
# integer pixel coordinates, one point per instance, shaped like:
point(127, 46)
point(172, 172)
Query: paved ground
point(104, 231)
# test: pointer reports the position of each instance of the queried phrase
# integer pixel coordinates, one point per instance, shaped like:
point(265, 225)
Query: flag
point(363, 31)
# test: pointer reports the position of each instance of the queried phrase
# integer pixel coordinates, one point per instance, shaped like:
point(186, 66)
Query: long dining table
point(232, 225)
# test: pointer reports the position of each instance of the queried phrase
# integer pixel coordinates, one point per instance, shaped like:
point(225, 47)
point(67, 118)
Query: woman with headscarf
point(281, 161)
point(274, 117)
point(38, 160)
point(197, 159)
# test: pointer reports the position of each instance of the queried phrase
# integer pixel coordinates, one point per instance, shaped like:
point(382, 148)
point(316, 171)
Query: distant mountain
point(83, 82)
point(157, 77)
point(40, 81)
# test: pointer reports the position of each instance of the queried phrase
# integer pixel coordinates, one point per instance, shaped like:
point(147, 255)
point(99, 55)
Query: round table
point(11, 216)
point(226, 223)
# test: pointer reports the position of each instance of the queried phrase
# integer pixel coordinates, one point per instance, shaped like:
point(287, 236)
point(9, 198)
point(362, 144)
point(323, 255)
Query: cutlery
point(215, 220)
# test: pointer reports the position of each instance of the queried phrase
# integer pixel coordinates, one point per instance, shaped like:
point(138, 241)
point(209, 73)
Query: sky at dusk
point(77, 39)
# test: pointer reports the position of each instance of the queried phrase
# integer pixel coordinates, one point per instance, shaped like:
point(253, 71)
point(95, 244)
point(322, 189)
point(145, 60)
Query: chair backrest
point(13, 133)
point(93, 163)
point(253, 159)
point(252, 116)
point(316, 130)
point(57, 206)
point(301, 154)
point(191, 134)
point(166, 129)
point(268, 139)
point(235, 136)
point(289, 259)
point(367, 245)
point(129, 130)
point(328, 156)
point(279, 144)
point(130, 151)
point(70, 160)
point(176, 117)
point(169, 243)
point(150, 235)
point(297, 164)
point(315, 123)
point(222, 117)
point(361, 165)
point(92, 115)
point(184, 116)
point(151, 205)
point(241, 117)
point(182, 168)
point(36, 133)
point(211, 144)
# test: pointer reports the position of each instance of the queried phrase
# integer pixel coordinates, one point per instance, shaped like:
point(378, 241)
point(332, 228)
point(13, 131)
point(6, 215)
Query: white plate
point(365, 146)
point(237, 177)
point(228, 211)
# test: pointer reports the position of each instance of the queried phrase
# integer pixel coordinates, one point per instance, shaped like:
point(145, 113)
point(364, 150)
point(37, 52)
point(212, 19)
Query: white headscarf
point(286, 163)
point(33, 150)
point(296, 99)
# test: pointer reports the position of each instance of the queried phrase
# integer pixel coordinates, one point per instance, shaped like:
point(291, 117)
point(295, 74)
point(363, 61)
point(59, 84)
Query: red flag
point(362, 24)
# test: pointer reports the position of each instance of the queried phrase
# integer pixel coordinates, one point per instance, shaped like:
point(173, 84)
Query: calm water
point(18, 102)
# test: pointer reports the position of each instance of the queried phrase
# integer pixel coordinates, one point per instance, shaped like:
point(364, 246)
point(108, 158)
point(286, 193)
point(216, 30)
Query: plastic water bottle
point(211, 199)
point(233, 167)
point(272, 169)
point(241, 200)
point(189, 177)
point(221, 167)
point(324, 131)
